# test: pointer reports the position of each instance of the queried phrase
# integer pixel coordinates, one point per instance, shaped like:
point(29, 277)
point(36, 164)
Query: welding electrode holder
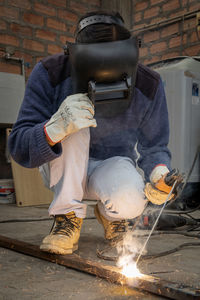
point(173, 176)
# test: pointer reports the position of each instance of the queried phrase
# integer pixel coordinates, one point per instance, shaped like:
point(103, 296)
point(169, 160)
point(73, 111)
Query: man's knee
point(119, 186)
point(127, 202)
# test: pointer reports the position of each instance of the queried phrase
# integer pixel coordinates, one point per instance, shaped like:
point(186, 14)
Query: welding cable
point(164, 253)
point(114, 242)
point(194, 228)
point(188, 176)
point(35, 220)
point(191, 217)
point(25, 220)
point(184, 233)
point(181, 212)
point(100, 253)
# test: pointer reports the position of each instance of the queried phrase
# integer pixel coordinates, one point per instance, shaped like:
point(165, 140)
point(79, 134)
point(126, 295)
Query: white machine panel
point(182, 86)
point(12, 87)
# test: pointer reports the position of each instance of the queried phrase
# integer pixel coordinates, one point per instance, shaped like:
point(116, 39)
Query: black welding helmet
point(106, 71)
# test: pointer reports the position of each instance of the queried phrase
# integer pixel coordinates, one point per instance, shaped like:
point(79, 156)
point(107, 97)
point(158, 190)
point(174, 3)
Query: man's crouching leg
point(67, 178)
point(119, 186)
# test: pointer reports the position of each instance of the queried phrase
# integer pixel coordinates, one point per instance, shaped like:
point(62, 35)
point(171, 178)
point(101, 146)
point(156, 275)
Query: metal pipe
point(163, 23)
point(17, 59)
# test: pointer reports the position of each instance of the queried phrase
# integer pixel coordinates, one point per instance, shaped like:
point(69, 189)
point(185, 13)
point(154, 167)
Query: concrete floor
point(26, 277)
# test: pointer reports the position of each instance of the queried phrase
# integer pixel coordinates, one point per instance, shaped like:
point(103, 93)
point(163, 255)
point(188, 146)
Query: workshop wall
point(33, 29)
point(170, 38)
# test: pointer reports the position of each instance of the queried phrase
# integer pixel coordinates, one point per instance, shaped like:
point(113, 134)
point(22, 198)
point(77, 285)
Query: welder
point(95, 122)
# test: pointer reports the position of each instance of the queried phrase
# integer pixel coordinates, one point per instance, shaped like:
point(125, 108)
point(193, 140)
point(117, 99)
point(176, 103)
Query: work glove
point(158, 191)
point(75, 112)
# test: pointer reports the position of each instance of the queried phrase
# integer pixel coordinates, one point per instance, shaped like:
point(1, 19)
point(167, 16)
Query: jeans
point(114, 182)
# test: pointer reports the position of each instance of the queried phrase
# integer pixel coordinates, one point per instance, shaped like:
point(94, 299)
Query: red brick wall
point(178, 39)
point(33, 29)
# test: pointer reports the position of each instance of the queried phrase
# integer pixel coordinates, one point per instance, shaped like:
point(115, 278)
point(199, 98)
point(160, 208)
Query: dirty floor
point(26, 277)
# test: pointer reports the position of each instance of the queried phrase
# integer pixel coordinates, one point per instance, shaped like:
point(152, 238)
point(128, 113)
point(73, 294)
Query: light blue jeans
point(114, 182)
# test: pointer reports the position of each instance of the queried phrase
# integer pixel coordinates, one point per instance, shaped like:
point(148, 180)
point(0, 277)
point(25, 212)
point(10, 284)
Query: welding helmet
point(104, 70)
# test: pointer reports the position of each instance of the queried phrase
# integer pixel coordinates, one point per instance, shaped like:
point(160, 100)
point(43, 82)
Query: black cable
point(34, 220)
point(170, 211)
point(100, 253)
point(25, 220)
point(187, 177)
point(195, 219)
point(194, 228)
point(164, 253)
point(185, 233)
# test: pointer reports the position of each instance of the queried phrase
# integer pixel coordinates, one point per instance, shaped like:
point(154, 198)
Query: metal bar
point(167, 22)
point(112, 274)
point(155, 223)
point(17, 59)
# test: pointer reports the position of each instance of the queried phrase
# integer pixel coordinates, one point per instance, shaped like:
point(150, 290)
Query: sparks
point(129, 268)
point(131, 271)
point(128, 250)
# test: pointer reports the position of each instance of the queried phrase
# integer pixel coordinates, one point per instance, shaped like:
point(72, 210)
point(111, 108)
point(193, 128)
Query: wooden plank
point(112, 274)
point(29, 187)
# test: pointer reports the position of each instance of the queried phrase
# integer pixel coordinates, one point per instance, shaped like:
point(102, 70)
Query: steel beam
point(112, 274)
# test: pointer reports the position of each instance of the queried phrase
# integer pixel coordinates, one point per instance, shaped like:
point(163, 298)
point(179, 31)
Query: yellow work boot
point(112, 229)
point(64, 235)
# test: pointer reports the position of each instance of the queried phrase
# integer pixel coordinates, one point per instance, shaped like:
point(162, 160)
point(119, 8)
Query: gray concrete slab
point(24, 277)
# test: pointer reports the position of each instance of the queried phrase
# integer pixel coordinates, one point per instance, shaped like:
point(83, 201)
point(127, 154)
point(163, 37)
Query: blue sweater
point(142, 129)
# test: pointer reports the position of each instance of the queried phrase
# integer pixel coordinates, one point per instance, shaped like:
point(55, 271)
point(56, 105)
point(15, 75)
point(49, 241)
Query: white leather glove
point(158, 172)
point(154, 193)
point(156, 196)
point(158, 191)
point(75, 112)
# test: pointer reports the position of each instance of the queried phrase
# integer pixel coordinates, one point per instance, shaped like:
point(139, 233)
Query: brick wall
point(179, 38)
point(32, 29)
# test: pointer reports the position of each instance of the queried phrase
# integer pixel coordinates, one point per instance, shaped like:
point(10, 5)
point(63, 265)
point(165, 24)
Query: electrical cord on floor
point(186, 231)
point(181, 212)
point(35, 220)
point(164, 253)
point(182, 187)
point(100, 253)
point(25, 220)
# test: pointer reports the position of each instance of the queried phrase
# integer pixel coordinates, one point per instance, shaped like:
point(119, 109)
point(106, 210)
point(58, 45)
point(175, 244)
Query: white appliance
point(181, 78)
point(12, 87)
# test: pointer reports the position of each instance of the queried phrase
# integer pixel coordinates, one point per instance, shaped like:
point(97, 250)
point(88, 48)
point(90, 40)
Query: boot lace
point(65, 225)
point(119, 226)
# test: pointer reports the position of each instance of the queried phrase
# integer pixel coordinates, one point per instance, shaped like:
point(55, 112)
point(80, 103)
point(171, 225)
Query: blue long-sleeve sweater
point(142, 128)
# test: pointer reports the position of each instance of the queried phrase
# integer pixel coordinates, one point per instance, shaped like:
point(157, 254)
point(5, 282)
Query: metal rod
point(154, 225)
point(17, 59)
point(112, 274)
point(167, 22)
